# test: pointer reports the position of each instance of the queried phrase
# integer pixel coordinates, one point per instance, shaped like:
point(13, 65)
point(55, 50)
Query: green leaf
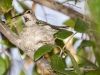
point(8, 17)
point(2, 66)
point(75, 65)
point(83, 53)
point(94, 7)
point(7, 65)
point(59, 65)
point(81, 26)
point(7, 43)
point(57, 62)
point(63, 34)
point(10, 23)
point(42, 50)
point(25, 7)
point(89, 62)
point(70, 23)
point(7, 62)
point(97, 56)
point(94, 72)
point(59, 43)
point(65, 72)
point(59, 73)
point(5, 5)
point(87, 43)
point(1, 12)
point(84, 64)
point(20, 25)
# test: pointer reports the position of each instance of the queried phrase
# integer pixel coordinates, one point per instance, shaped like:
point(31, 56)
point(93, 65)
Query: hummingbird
point(30, 19)
point(36, 34)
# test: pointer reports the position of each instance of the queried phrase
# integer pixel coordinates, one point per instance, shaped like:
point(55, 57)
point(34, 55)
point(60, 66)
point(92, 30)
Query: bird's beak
point(17, 16)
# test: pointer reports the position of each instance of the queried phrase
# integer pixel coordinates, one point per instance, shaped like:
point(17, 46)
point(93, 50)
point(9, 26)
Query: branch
point(73, 14)
point(61, 8)
point(85, 69)
point(14, 39)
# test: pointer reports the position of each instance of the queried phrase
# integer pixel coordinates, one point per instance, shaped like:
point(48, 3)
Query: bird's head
point(29, 17)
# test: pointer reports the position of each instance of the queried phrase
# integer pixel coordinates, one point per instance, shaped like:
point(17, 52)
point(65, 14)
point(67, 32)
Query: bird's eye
point(28, 11)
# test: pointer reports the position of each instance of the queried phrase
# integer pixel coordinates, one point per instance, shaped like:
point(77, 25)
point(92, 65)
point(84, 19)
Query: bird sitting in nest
point(35, 35)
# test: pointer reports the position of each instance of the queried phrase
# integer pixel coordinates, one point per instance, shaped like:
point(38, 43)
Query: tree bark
point(14, 39)
point(73, 14)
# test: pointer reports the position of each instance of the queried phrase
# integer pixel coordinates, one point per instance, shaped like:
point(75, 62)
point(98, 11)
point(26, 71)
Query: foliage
point(5, 5)
point(58, 59)
point(4, 65)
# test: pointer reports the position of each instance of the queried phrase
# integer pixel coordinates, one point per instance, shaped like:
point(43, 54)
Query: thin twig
point(86, 69)
point(68, 41)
